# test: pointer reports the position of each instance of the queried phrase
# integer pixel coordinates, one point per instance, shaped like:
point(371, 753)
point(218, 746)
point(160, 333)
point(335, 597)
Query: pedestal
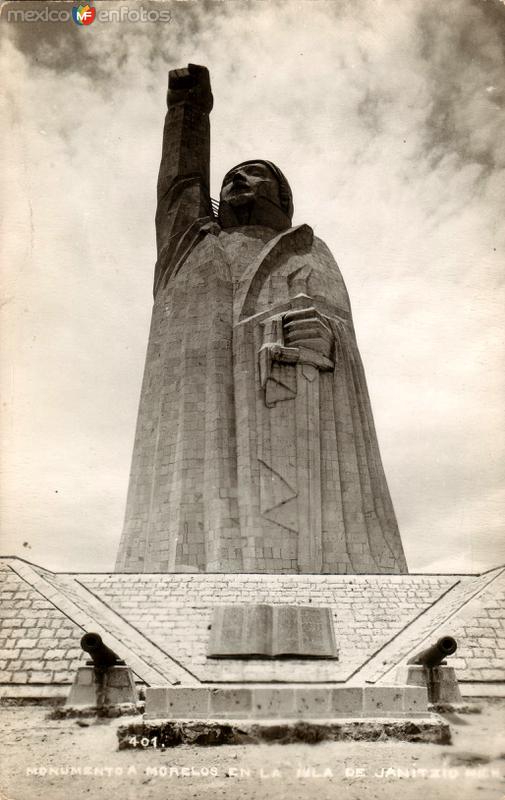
point(441, 682)
point(115, 685)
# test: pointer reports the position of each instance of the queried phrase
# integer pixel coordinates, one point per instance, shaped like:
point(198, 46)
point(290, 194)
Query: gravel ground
point(36, 752)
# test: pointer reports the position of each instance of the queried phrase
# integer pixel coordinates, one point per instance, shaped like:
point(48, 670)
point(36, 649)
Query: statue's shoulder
point(320, 246)
point(323, 256)
point(292, 244)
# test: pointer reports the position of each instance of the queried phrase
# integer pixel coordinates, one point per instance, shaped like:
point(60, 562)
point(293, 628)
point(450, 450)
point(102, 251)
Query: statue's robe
point(312, 490)
point(244, 461)
point(248, 456)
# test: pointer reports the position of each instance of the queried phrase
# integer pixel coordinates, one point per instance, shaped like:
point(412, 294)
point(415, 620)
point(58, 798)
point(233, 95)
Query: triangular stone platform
point(159, 624)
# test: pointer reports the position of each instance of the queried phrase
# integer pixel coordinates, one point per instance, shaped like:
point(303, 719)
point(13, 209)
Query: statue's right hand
point(190, 84)
point(308, 328)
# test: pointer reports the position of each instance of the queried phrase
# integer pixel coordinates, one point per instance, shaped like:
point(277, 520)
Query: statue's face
point(245, 184)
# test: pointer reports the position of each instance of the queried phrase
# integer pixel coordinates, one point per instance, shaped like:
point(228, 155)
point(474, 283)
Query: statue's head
point(255, 193)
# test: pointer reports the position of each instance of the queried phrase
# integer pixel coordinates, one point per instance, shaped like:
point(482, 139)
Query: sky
point(387, 117)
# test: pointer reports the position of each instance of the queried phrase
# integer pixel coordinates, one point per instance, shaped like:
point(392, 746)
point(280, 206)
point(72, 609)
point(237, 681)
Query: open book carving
point(267, 631)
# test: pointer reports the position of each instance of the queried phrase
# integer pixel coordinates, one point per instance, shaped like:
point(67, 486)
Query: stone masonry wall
point(160, 624)
point(38, 643)
point(440, 619)
point(480, 629)
point(176, 611)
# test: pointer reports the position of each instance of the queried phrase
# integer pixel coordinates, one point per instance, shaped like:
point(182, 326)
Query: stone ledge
point(285, 702)
point(15, 691)
point(163, 734)
point(482, 689)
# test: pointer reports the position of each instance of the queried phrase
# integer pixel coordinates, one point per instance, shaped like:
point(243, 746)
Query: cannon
point(102, 657)
point(104, 681)
point(435, 655)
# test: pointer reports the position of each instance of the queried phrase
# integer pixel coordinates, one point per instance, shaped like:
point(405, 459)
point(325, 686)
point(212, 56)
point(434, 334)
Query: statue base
point(96, 688)
point(441, 682)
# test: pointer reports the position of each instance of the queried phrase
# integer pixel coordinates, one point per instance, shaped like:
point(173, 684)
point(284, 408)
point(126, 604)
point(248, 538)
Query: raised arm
point(183, 180)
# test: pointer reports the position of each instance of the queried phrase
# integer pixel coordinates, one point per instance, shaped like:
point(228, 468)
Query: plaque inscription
point(266, 631)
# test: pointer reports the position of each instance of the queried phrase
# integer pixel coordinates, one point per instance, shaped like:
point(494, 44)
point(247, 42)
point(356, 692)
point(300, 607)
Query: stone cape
point(244, 462)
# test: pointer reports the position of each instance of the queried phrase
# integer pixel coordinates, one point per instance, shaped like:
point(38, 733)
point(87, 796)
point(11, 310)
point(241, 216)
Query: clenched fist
point(190, 84)
point(308, 328)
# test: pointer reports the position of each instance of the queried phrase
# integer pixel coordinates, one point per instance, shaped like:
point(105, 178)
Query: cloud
point(463, 60)
point(385, 117)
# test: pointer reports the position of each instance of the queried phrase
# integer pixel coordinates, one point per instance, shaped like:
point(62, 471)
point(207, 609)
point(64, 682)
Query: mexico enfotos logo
point(83, 14)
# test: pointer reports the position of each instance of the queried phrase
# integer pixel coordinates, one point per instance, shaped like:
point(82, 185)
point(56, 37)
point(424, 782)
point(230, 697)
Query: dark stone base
point(31, 701)
point(164, 734)
point(455, 708)
point(85, 712)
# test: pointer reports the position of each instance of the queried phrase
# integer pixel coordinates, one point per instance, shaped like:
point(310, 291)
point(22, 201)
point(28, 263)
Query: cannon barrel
point(434, 655)
point(102, 656)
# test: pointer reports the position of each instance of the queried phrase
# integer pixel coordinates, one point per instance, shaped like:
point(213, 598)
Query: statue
point(255, 448)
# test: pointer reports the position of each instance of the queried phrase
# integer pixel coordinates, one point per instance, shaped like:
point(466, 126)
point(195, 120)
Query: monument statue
point(255, 448)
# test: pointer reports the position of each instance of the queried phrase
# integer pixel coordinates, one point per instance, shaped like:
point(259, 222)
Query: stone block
point(32, 654)
point(273, 702)
point(156, 702)
point(40, 676)
point(26, 643)
point(178, 702)
point(346, 701)
point(58, 653)
point(415, 699)
point(9, 653)
point(83, 692)
point(19, 677)
point(410, 675)
point(231, 703)
point(84, 676)
point(381, 701)
point(312, 702)
point(125, 694)
point(119, 678)
point(445, 686)
point(65, 676)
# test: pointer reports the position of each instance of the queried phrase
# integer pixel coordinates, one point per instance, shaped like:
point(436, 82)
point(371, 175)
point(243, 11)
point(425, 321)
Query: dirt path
point(36, 752)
